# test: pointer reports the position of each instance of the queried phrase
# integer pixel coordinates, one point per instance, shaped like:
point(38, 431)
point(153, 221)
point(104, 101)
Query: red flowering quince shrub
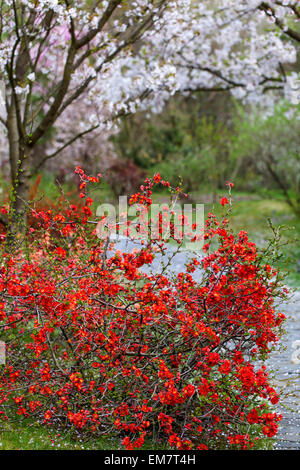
point(98, 344)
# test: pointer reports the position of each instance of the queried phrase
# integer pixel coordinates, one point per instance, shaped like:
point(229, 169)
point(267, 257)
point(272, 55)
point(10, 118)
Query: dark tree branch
point(280, 183)
point(271, 12)
point(52, 114)
point(93, 32)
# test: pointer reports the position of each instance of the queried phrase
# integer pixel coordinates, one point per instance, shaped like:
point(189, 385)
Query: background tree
point(114, 57)
point(188, 141)
point(248, 47)
point(54, 53)
point(270, 146)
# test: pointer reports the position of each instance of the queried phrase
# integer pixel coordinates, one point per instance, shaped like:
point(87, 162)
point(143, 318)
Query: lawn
point(31, 436)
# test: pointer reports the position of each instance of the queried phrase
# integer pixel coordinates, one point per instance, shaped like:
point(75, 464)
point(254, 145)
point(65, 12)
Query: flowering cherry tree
point(52, 53)
point(113, 57)
point(246, 47)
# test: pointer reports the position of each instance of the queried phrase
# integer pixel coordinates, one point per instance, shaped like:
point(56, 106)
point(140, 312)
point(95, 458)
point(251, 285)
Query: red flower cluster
point(95, 343)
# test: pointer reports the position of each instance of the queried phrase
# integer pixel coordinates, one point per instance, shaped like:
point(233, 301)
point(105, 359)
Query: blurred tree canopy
point(188, 140)
point(268, 149)
point(210, 138)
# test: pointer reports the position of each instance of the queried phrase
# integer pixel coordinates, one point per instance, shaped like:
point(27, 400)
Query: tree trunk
point(20, 192)
point(20, 167)
point(294, 205)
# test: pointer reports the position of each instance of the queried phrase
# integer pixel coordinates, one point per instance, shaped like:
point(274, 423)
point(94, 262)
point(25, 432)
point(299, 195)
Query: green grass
point(31, 436)
point(28, 435)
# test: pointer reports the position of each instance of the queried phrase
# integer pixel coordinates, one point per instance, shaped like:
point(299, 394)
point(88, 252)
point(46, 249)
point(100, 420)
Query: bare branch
point(93, 32)
point(271, 12)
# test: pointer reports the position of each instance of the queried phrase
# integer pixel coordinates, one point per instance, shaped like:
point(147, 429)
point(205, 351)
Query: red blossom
point(100, 344)
point(224, 201)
